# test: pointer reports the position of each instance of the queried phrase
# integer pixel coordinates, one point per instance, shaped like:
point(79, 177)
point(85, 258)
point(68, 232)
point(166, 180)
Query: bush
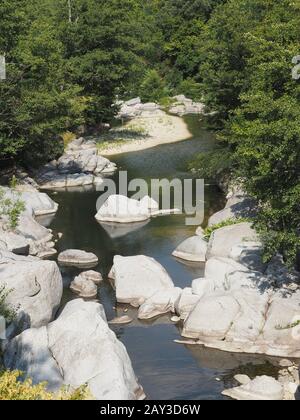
point(14, 387)
point(214, 164)
point(6, 311)
point(10, 208)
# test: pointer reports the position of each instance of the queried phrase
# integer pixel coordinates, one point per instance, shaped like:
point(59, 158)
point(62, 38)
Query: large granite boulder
point(76, 349)
point(35, 289)
point(138, 278)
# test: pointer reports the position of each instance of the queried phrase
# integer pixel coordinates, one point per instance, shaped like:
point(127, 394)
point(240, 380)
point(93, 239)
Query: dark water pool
point(166, 370)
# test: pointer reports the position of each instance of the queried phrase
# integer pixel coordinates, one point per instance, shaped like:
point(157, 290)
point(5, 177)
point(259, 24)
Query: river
point(165, 369)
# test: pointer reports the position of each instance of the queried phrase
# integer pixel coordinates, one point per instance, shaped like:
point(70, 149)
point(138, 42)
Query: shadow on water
point(165, 369)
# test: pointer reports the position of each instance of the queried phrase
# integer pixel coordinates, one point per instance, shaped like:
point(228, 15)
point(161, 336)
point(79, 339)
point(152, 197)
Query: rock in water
point(121, 209)
point(77, 258)
point(93, 276)
point(84, 288)
point(261, 388)
point(80, 346)
point(192, 249)
point(138, 278)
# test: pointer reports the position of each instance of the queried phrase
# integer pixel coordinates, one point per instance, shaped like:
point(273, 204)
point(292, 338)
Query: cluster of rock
point(75, 349)
point(184, 106)
point(30, 237)
point(79, 166)
point(135, 108)
point(238, 207)
point(180, 106)
point(85, 284)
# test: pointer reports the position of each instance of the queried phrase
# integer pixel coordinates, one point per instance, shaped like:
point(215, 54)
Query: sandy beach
point(144, 132)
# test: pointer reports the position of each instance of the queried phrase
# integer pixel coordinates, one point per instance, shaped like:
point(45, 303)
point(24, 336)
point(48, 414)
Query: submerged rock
point(121, 320)
point(77, 258)
point(76, 349)
point(138, 278)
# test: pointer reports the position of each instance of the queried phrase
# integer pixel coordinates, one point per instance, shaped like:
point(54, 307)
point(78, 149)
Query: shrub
point(6, 311)
point(11, 207)
point(13, 386)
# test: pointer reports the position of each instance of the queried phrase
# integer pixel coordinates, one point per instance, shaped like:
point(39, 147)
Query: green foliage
point(152, 88)
point(191, 89)
point(214, 164)
point(10, 208)
point(14, 387)
point(6, 311)
point(229, 222)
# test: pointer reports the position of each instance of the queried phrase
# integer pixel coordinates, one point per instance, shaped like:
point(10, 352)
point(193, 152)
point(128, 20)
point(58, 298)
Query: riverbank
point(144, 132)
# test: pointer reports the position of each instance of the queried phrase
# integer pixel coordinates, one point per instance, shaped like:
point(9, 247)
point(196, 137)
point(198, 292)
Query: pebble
point(175, 319)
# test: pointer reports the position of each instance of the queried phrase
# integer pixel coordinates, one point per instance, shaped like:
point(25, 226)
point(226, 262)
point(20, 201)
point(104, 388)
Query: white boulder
point(138, 278)
point(121, 209)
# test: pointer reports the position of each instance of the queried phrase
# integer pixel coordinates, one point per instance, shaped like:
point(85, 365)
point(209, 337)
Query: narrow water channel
point(166, 370)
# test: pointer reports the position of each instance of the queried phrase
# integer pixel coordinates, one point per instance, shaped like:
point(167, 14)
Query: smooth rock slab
point(138, 278)
point(192, 249)
point(77, 258)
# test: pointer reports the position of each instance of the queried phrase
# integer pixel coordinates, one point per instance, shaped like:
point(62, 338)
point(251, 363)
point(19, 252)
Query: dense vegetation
point(66, 65)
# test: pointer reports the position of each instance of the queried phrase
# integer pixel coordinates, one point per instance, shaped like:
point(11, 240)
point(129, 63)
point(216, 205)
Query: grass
point(229, 222)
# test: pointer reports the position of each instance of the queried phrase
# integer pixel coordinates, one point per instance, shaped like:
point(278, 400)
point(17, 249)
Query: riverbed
point(165, 369)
